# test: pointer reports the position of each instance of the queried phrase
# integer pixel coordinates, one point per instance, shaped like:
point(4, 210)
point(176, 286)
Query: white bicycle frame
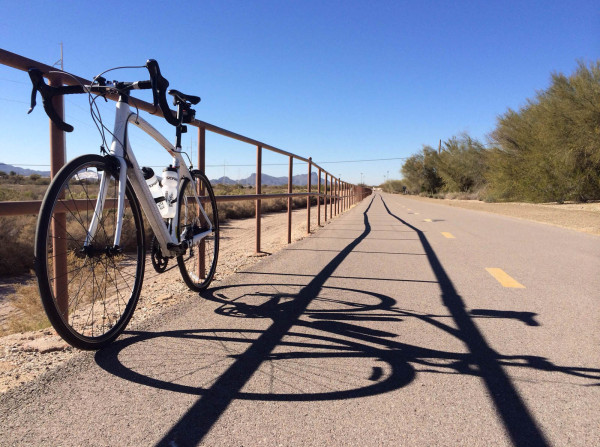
point(129, 168)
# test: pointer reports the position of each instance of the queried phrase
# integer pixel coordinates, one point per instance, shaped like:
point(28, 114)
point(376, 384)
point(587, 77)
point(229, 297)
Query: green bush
point(550, 149)
point(547, 151)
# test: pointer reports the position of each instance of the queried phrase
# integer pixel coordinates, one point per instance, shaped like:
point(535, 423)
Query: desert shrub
point(421, 172)
point(549, 149)
point(28, 313)
point(246, 209)
point(16, 244)
point(462, 164)
point(393, 186)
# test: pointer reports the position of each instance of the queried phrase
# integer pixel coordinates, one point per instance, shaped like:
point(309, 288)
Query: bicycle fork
point(117, 152)
point(101, 202)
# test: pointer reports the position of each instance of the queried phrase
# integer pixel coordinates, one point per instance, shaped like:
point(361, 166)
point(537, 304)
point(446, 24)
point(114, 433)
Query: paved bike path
point(377, 330)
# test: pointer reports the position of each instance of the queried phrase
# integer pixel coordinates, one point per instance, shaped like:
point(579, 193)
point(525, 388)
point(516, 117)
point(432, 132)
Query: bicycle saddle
point(181, 97)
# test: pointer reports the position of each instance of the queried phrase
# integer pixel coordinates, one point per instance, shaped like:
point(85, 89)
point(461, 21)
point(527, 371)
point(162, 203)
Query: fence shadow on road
point(316, 349)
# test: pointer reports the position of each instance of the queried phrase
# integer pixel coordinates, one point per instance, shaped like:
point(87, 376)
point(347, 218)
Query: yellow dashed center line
point(503, 278)
point(448, 235)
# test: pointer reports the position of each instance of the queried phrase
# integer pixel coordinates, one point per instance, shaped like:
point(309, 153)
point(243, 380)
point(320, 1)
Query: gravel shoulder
point(26, 356)
point(583, 217)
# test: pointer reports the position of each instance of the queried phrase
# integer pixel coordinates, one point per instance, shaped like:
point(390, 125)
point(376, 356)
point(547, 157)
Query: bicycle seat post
point(180, 128)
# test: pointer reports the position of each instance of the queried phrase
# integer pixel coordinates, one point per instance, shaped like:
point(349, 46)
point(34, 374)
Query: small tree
point(462, 164)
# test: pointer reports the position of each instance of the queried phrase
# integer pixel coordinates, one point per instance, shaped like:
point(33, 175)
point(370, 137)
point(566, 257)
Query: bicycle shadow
point(291, 357)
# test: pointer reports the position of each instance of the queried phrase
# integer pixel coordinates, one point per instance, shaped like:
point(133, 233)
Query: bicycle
point(90, 245)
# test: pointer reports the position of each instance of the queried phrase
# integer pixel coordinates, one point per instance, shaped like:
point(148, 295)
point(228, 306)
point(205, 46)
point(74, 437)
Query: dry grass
point(16, 244)
point(17, 233)
point(29, 314)
point(246, 209)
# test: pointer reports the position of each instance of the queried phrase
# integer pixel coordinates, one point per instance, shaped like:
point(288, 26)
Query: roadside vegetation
point(547, 151)
point(245, 209)
point(17, 232)
point(17, 235)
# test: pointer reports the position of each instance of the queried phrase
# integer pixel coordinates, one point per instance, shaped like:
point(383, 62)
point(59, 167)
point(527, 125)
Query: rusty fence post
point(59, 220)
point(319, 202)
point(258, 192)
point(325, 198)
point(347, 197)
point(333, 183)
point(340, 197)
point(201, 167)
point(308, 185)
point(289, 210)
point(335, 207)
point(330, 196)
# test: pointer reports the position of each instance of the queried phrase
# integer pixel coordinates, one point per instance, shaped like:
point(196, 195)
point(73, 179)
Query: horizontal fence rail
point(335, 194)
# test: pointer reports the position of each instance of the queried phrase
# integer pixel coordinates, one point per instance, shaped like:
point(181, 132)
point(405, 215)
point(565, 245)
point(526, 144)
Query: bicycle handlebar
point(48, 92)
point(159, 91)
point(157, 83)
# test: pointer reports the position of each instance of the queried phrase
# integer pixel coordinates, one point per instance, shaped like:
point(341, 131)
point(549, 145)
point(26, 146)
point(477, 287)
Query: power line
point(319, 163)
point(361, 161)
point(266, 164)
point(16, 82)
point(21, 164)
point(13, 100)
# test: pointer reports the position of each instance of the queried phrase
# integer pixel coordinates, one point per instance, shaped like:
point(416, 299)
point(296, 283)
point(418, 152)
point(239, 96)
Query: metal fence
point(333, 194)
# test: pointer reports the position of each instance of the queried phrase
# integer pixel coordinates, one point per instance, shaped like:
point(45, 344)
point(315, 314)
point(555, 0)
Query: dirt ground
point(584, 217)
point(25, 356)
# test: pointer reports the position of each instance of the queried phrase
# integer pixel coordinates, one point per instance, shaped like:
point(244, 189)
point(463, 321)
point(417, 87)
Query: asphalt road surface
point(401, 323)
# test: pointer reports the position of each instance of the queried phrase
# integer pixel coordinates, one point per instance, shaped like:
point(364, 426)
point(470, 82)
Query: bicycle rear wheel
point(89, 291)
point(199, 263)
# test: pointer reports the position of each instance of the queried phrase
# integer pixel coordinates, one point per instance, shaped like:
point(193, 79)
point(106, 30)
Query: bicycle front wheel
point(199, 263)
point(88, 286)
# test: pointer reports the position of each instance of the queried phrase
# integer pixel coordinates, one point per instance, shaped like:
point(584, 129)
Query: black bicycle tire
point(64, 328)
point(194, 286)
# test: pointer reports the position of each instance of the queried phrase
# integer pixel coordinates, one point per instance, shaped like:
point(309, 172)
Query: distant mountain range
point(22, 171)
point(269, 180)
point(300, 180)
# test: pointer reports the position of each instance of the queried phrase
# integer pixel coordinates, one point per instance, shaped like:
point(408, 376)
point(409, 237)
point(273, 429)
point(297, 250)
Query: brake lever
point(33, 103)
point(47, 93)
point(36, 77)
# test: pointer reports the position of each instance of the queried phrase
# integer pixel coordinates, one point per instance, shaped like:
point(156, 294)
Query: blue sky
point(334, 80)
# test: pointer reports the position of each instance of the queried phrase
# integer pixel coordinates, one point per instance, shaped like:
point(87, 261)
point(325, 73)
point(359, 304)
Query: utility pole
point(62, 68)
point(61, 60)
